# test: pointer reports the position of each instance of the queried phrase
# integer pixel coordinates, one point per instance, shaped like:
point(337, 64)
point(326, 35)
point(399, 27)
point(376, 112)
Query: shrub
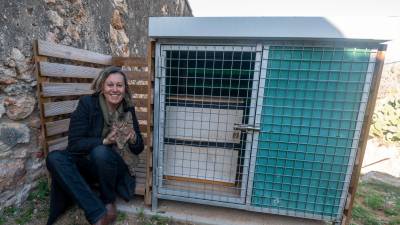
point(386, 120)
point(374, 201)
point(364, 216)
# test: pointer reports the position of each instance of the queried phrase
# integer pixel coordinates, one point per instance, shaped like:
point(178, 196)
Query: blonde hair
point(98, 83)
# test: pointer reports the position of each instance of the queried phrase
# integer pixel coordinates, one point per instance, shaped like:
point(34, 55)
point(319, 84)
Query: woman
point(103, 141)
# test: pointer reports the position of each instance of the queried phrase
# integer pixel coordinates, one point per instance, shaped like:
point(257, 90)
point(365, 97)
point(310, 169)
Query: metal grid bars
point(207, 104)
point(312, 109)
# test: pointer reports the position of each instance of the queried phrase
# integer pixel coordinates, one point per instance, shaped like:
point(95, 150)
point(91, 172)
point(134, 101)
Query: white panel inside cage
point(203, 124)
point(215, 164)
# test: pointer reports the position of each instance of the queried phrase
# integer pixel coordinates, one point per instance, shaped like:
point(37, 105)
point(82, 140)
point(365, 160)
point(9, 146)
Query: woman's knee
point(56, 158)
point(102, 155)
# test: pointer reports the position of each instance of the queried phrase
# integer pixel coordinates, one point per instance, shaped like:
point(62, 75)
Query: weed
point(397, 205)
point(121, 216)
point(140, 216)
point(41, 193)
point(32, 208)
point(391, 212)
point(159, 220)
point(10, 211)
point(363, 215)
point(394, 221)
point(2, 220)
point(25, 216)
point(374, 201)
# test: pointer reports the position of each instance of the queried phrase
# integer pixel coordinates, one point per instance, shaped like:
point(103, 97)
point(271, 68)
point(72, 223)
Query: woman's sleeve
point(79, 140)
point(138, 146)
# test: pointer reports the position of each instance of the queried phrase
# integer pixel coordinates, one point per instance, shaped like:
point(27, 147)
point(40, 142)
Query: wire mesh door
point(314, 100)
point(207, 109)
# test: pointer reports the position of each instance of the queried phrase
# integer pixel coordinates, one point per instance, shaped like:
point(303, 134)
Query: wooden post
point(41, 100)
point(150, 109)
point(362, 144)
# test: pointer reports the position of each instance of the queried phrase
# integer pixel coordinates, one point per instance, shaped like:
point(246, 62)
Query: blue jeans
point(72, 176)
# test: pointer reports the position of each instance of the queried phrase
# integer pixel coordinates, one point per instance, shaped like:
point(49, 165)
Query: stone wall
point(117, 27)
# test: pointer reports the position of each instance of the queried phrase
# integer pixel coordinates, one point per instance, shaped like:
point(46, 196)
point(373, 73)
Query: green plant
point(159, 220)
point(394, 221)
point(25, 216)
point(391, 212)
point(374, 201)
point(364, 216)
point(10, 211)
point(397, 205)
point(2, 220)
point(121, 216)
point(140, 216)
point(386, 120)
point(41, 191)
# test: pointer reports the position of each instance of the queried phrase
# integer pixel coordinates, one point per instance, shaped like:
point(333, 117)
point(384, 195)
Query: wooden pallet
point(65, 73)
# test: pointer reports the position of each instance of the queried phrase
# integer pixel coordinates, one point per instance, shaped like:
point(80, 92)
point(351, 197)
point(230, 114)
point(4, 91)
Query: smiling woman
point(104, 139)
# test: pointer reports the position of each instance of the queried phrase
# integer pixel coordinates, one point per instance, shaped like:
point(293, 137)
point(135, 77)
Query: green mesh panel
point(311, 102)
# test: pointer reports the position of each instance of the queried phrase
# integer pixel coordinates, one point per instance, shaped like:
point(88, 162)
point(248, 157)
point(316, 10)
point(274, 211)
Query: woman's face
point(114, 89)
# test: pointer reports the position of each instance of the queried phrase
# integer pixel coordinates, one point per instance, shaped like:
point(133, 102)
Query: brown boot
point(111, 212)
point(103, 221)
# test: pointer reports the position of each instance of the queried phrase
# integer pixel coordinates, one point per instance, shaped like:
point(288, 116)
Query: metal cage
point(272, 127)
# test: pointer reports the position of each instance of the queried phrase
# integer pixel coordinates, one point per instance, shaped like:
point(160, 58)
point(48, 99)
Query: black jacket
point(85, 131)
point(87, 124)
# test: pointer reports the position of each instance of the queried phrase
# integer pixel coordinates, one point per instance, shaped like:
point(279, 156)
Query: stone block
point(12, 134)
point(11, 172)
point(20, 107)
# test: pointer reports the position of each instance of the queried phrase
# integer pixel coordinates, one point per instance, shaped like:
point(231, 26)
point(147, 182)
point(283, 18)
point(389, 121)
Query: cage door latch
point(245, 127)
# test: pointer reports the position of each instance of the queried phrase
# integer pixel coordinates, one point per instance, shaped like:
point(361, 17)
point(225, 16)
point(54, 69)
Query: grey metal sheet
point(373, 29)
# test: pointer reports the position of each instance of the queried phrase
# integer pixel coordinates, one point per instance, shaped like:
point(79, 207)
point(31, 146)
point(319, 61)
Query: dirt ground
point(75, 216)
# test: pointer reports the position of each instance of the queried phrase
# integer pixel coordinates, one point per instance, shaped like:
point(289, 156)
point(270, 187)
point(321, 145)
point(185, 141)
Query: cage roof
point(373, 29)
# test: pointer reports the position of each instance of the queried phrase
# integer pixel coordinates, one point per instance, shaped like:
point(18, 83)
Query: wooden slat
point(140, 175)
point(141, 115)
point(140, 169)
point(59, 108)
point(61, 126)
point(66, 52)
point(140, 102)
point(66, 89)
point(138, 89)
point(139, 190)
point(140, 181)
point(62, 70)
point(129, 61)
point(58, 144)
point(135, 75)
point(61, 143)
point(65, 107)
point(57, 127)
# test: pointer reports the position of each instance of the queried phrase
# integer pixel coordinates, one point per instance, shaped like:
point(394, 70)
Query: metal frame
point(160, 86)
point(261, 74)
point(156, 131)
point(257, 122)
point(356, 139)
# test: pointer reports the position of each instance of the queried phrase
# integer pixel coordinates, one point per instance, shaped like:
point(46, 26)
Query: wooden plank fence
point(61, 84)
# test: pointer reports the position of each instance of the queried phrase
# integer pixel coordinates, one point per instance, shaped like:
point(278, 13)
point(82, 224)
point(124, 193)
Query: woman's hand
point(111, 138)
point(132, 136)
